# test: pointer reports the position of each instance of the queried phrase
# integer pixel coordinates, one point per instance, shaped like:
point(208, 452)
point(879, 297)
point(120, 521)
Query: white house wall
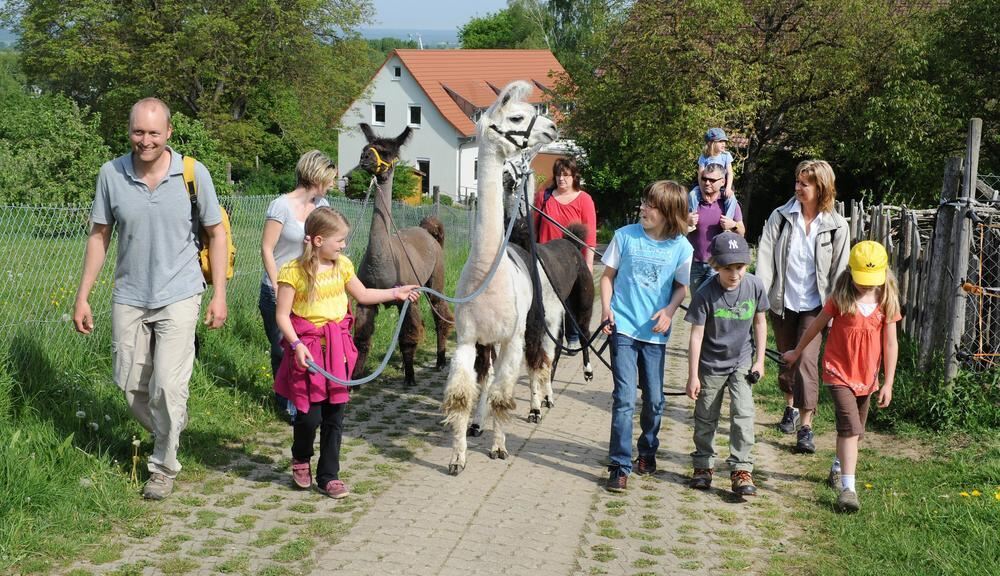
point(435, 139)
point(468, 153)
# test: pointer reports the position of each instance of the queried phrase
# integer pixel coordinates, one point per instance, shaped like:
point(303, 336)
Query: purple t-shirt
point(708, 228)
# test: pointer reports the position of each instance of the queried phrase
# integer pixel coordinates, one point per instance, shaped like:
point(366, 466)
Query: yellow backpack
point(201, 238)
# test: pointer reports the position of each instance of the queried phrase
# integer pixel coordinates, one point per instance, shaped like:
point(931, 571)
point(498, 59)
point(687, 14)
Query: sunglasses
point(707, 180)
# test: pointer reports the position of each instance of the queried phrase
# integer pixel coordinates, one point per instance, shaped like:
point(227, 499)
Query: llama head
point(380, 154)
point(513, 125)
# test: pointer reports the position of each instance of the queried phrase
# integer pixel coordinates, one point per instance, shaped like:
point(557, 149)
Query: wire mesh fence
point(979, 349)
point(43, 250)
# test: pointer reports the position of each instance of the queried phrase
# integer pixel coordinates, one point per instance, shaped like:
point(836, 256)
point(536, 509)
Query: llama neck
point(489, 216)
point(378, 234)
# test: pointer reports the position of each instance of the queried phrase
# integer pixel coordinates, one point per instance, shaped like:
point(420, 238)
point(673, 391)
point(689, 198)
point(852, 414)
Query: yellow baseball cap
point(868, 263)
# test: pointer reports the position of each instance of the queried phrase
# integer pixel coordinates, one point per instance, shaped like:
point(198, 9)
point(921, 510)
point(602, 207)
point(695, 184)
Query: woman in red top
point(566, 203)
point(864, 307)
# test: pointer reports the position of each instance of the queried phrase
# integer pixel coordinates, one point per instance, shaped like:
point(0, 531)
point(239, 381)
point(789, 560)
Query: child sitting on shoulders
point(721, 314)
point(715, 152)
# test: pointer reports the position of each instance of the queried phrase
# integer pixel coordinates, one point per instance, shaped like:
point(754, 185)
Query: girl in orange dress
point(864, 308)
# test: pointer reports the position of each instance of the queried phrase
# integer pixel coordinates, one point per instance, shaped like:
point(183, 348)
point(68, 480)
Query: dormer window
point(541, 109)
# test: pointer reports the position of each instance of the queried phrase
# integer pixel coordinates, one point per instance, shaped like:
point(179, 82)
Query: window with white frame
point(397, 72)
point(542, 109)
point(378, 113)
point(414, 115)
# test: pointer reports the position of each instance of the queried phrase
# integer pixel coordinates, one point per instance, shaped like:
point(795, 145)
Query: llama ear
point(367, 131)
point(403, 137)
point(518, 90)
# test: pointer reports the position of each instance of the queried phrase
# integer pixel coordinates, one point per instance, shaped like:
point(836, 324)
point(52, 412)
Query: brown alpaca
point(413, 255)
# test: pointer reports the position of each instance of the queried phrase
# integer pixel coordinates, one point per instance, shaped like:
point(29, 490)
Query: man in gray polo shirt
point(158, 280)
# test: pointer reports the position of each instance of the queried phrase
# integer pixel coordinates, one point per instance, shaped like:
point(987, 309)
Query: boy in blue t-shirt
point(647, 269)
point(721, 314)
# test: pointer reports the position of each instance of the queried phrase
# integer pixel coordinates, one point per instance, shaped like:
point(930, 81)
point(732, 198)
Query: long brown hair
point(670, 198)
point(323, 221)
point(845, 295)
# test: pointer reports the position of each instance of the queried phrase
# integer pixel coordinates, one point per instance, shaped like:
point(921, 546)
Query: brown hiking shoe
point(743, 483)
point(848, 501)
point(645, 465)
point(617, 482)
point(702, 479)
point(158, 487)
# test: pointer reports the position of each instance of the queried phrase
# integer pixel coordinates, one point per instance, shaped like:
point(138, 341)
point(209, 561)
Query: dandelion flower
point(868, 486)
point(963, 494)
point(81, 414)
point(136, 442)
point(977, 493)
point(94, 426)
point(65, 318)
point(997, 495)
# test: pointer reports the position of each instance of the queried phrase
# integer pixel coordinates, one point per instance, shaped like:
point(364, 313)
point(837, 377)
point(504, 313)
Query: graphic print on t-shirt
point(743, 310)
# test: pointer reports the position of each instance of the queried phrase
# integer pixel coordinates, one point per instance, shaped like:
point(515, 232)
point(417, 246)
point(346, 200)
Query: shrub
point(970, 402)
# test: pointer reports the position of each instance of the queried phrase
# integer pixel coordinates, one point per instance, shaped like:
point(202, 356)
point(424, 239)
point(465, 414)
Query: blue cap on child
point(715, 135)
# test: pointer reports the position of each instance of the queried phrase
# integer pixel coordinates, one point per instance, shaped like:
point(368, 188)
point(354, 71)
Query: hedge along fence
point(43, 250)
point(947, 261)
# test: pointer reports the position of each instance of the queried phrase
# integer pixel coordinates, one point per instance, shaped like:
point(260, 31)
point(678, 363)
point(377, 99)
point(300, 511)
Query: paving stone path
point(543, 511)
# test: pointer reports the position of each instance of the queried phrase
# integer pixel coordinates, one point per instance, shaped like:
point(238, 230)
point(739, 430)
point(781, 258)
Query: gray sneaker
point(789, 420)
point(848, 501)
point(158, 487)
point(833, 480)
point(804, 442)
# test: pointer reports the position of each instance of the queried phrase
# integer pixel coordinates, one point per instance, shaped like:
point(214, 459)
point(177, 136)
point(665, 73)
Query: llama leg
point(459, 392)
point(484, 376)
point(410, 335)
point(364, 327)
point(443, 320)
point(501, 393)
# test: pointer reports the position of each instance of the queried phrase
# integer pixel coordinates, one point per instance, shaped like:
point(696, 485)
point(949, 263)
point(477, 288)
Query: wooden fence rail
point(947, 264)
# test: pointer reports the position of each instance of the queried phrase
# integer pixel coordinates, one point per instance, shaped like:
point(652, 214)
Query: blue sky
point(431, 14)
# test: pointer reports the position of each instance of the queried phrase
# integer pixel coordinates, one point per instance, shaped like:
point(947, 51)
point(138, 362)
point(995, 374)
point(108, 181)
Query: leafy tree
point(511, 27)
point(264, 76)
point(49, 147)
point(780, 76)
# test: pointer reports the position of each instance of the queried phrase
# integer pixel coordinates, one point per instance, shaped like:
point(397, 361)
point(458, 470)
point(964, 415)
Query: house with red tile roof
point(441, 94)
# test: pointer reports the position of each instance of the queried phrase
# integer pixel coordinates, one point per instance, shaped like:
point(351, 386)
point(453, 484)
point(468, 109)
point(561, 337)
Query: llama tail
point(435, 227)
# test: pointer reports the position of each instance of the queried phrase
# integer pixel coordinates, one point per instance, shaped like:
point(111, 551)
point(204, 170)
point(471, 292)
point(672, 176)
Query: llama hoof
point(474, 431)
point(455, 469)
point(547, 402)
point(498, 453)
point(534, 416)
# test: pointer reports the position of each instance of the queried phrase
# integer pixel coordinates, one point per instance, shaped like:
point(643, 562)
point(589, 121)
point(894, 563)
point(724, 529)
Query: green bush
point(266, 182)
point(970, 402)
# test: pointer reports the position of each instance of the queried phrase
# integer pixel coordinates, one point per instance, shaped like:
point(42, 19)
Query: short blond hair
point(315, 169)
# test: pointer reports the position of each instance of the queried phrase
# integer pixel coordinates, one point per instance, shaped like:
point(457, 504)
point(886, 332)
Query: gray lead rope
point(313, 367)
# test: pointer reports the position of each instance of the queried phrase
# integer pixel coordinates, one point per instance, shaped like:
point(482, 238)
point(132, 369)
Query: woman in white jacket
point(804, 246)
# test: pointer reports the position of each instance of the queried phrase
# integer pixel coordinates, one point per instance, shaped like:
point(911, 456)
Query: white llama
point(498, 316)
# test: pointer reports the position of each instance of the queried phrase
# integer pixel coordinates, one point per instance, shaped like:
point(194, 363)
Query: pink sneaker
point(335, 489)
point(302, 473)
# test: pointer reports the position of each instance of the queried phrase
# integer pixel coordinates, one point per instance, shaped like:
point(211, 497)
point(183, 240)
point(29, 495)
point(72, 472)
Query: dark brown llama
point(413, 255)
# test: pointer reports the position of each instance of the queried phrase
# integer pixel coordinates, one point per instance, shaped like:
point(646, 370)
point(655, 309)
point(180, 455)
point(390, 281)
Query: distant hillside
point(430, 38)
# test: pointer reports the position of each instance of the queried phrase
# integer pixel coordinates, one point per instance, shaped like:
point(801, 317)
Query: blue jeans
point(630, 359)
point(700, 271)
point(267, 304)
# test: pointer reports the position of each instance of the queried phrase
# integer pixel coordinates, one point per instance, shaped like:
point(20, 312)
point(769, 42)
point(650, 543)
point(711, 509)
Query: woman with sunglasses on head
point(710, 213)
